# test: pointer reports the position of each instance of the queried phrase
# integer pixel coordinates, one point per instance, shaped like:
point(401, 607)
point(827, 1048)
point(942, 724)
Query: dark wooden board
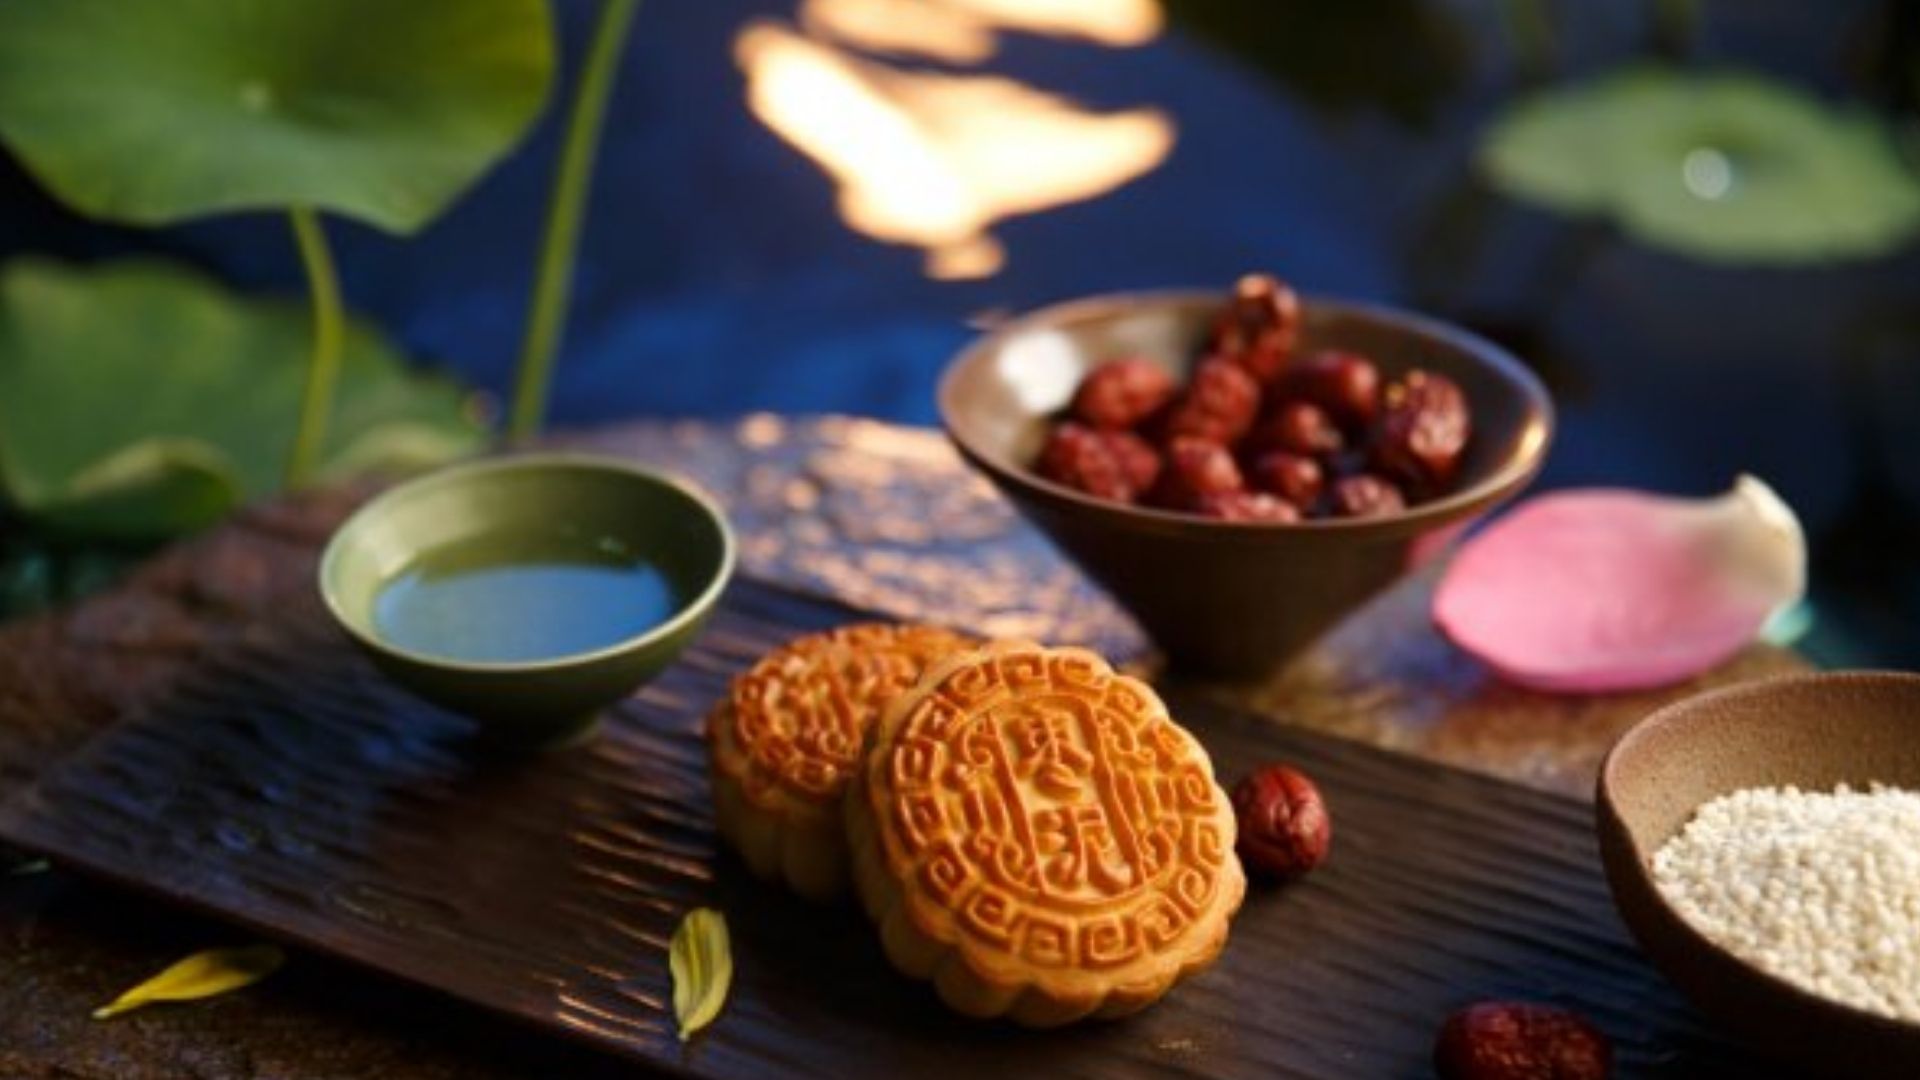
point(287, 787)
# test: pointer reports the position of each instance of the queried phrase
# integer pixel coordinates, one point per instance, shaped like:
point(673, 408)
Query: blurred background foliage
point(180, 409)
point(1728, 168)
point(1696, 219)
point(140, 401)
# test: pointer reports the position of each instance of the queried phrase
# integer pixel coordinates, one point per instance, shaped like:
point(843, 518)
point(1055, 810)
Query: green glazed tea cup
point(484, 510)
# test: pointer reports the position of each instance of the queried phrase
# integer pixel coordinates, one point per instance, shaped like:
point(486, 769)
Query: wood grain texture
point(285, 786)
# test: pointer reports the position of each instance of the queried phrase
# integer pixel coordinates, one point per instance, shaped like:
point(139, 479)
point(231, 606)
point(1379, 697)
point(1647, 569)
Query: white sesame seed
point(1819, 889)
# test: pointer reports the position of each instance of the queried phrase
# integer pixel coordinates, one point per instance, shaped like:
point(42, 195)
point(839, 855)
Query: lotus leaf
point(156, 111)
point(141, 399)
point(1724, 167)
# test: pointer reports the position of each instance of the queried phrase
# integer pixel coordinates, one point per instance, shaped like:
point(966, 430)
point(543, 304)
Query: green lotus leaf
point(151, 112)
point(160, 485)
point(1729, 168)
point(142, 399)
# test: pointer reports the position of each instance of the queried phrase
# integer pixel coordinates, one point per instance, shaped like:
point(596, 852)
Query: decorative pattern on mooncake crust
point(1043, 819)
point(786, 742)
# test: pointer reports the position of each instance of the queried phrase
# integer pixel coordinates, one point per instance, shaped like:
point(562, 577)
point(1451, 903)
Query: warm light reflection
point(934, 159)
point(918, 27)
point(1109, 22)
point(962, 31)
point(1041, 368)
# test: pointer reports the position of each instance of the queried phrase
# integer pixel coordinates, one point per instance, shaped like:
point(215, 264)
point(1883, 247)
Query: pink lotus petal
point(1619, 590)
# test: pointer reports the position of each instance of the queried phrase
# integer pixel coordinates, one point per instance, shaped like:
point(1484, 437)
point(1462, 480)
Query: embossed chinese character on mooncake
point(1033, 832)
point(786, 740)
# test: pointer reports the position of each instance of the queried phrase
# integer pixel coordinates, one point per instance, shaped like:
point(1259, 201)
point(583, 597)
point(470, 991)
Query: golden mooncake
point(1035, 834)
point(785, 742)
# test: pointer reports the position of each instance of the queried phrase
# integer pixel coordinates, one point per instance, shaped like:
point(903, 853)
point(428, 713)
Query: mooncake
point(1033, 833)
point(785, 741)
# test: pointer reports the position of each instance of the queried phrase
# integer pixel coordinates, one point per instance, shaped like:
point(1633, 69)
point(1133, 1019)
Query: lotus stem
point(553, 275)
point(329, 327)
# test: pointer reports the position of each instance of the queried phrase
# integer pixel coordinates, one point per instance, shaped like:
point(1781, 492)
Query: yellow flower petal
point(700, 958)
point(202, 975)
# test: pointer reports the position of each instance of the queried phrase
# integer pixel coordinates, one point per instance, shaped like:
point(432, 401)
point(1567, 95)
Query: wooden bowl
point(1812, 731)
point(1234, 599)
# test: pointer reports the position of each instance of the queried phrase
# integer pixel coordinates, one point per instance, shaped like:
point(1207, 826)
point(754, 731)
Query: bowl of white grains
point(1763, 846)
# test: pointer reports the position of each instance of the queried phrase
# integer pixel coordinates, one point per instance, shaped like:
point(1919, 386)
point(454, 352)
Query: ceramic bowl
point(669, 524)
point(1812, 731)
point(1232, 599)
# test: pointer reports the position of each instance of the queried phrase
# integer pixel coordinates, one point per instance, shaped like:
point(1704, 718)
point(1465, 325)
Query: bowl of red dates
point(1242, 469)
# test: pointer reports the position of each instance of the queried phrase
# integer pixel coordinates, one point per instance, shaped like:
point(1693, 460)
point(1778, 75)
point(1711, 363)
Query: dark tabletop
point(881, 516)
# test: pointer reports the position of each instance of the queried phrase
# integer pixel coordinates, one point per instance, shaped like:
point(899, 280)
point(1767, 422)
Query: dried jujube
point(1345, 384)
point(1258, 327)
point(1423, 428)
point(1520, 1040)
point(1257, 433)
point(1285, 830)
point(1139, 461)
point(1219, 404)
point(1298, 427)
point(1293, 477)
point(1083, 459)
point(1365, 496)
point(1247, 506)
point(1193, 470)
point(1121, 393)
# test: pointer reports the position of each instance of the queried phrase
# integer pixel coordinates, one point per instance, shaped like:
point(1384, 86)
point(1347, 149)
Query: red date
point(1345, 384)
point(1519, 1040)
point(1219, 405)
point(1259, 326)
point(1194, 470)
point(1248, 506)
point(1139, 461)
point(1081, 458)
point(1366, 496)
point(1299, 427)
point(1121, 393)
point(1293, 477)
point(1284, 829)
point(1256, 432)
point(1423, 428)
